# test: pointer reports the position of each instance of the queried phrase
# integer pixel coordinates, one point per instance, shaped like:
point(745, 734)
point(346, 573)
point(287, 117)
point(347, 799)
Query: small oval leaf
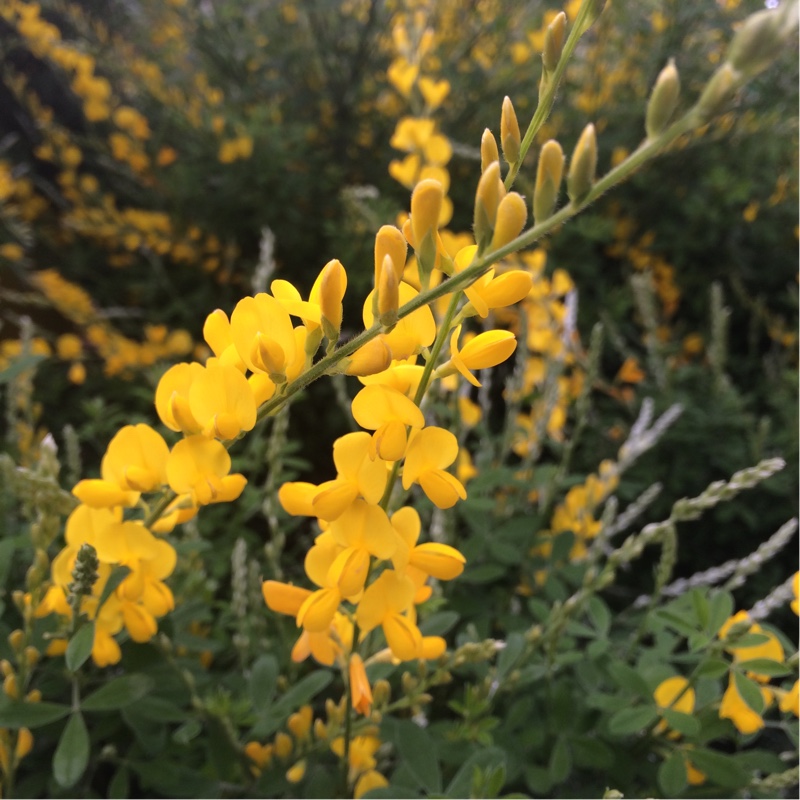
point(72, 754)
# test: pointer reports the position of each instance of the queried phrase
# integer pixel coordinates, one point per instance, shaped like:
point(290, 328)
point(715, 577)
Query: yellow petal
point(443, 489)
point(284, 598)
point(316, 613)
point(438, 560)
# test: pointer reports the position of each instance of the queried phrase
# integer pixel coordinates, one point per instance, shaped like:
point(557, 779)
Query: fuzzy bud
point(663, 100)
point(17, 640)
point(84, 573)
point(718, 90)
point(512, 213)
point(489, 151)
point(554, 41)
point(755, 43)
point(548, 180)
point(487, 199)
point(11, 687)
point(510, 138)
point(583, 166)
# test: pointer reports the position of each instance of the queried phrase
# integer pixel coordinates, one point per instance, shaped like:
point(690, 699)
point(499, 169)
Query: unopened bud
point(388, 293)
point(17, 640)
point(426, 207)
point(755, 43)
point(31, 656)
point(409, 683)
point(595, 9)
point(320, 729)
point(5, 667)
point(583, 166)
point(381, 692)
point(663, 100)
point(375, 356)
point(389, 241)
point(548, 180)
point(34, 696)
point(332, 288)
point(718, 90)
point(554, 41)
point(283, 745)
point(489, 152)
point(512, 214)
point(11, 687)
point(510, 138)
point(487, 199)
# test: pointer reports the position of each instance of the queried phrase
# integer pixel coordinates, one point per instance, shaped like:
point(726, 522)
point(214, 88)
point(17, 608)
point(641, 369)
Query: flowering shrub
point(456, 584)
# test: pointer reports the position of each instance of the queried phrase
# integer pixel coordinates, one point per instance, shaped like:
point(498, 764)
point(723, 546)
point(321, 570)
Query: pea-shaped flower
point(172, 397)
point(429, 452)
point(411, 333)
point(263, 334)
point(387, 412)
point(134, 462)
point(222, 401)
point(487, 349)
point(199, 467)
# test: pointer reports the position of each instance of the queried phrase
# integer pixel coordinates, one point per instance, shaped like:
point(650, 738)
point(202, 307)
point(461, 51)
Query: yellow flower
point(217, 333)
point(734, 708)
point(491, 291)
point(674, 693)
point(429, 452)
point(360, 691)
point(172, 397)
point(333, 285)
point(384, 603)
point(433, 91)
point(432, 559)
point(222, 401)
point(263, 334)
point(199, 467)
point(485, 350)
point(388, 413)
point(412, 333)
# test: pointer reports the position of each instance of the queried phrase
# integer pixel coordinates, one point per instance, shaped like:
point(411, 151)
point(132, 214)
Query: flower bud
point(332, 289)
point(426, 206)
point(512, 214)
point(17, 640)
point(510, 138)
point(489, 152)
point(718, 90)
point(487, 199)
point(755, 43)
point(554, 41)
point(375, 356)
point(388, 293)
point(11, 687)
point(663, 100)
point(548, 180)
point(583, 166)
point(390, 241)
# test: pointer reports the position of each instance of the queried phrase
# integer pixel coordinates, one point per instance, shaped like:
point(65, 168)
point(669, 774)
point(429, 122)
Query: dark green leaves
point(72, 754)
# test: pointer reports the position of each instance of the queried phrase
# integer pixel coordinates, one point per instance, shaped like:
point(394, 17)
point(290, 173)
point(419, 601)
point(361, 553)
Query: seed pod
point(489, 152)
point(663, 100)
point(548, 180)
point(554, 41)
point(583, 166)
point(510, 138)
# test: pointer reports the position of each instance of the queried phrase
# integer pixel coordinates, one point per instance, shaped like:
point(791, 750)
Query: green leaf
point(720, 608)
point(599, 614)
point(631, 720)
point(390, 792)
point(120, 786)
point(482, 573)
point(515, 644)
point(538, 780)
point(159, 709)
point(672, 776)
point(750, 640)
point(80, 647)
point(18, 366)
point(72, 754)
point(118, 693)
point(590, 752)
point(749, 691)
point(118, 574)
point(712, 668)
point(269, 721)
point(486, 758)
point(562, 546)
point(174, 780)
point(685, 724)
point(417, 750)
point(628, 679)
point(719, 768)
point(30, 715)
point(440, 623)
point(263, 679)
point(764, 666)
point(560, 764)
point(676, 622)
